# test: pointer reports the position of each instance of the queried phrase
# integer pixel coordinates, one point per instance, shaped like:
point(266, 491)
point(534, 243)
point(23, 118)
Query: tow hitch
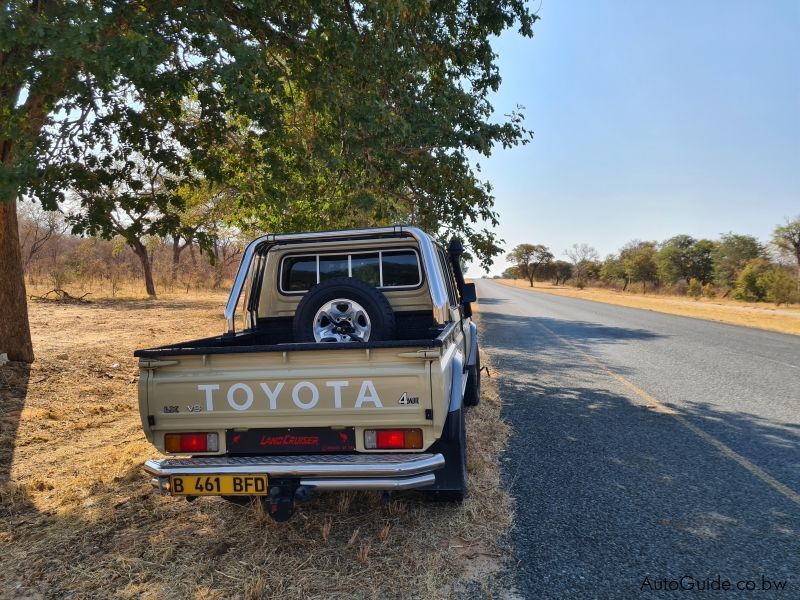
point(282, 495)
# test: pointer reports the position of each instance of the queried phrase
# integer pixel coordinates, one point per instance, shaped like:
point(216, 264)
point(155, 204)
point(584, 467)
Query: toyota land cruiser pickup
point(353, 360)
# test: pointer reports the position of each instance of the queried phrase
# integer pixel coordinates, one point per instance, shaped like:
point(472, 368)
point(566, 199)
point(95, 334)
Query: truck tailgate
point(342, 388)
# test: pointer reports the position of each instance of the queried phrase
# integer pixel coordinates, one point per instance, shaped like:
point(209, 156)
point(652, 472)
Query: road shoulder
point(767, 317)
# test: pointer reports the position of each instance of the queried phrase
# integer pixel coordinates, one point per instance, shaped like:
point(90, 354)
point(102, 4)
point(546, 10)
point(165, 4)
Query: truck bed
point(273, 337)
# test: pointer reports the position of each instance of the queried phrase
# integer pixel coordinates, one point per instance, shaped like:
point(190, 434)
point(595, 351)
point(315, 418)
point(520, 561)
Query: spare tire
point(343, 310)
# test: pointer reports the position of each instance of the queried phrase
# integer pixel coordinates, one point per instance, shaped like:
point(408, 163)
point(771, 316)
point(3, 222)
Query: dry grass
point(128, 289)
point(785, 319)
point(79, 519)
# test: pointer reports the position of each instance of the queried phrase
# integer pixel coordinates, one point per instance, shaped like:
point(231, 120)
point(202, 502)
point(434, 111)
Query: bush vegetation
point(733, 266)
point(53, 258)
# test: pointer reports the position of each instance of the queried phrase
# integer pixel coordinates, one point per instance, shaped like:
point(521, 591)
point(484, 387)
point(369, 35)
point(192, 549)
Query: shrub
point(695, 289)
point(709, 291)
point(747, 284)
point(778, 285)
point(61, 276)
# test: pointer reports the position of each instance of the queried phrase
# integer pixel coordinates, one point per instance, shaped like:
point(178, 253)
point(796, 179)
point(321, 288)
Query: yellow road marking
point(658, 406)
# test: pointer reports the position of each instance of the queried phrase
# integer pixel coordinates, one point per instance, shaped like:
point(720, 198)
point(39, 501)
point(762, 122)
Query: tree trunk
point(176, 256)
point(219, 273)
point(147, 267)
point(15, 333)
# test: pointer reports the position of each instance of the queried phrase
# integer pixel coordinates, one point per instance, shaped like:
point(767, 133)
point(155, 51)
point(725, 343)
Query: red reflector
point(391, 438)
point(194, 442)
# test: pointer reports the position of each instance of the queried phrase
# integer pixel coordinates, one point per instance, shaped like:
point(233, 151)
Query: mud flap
point(452, 478)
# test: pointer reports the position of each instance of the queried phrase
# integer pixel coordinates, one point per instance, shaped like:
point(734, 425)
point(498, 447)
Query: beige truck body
point(254, 380)
point(346, 388)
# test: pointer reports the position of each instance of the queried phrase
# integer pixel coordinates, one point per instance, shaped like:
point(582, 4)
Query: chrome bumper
point(324, 471)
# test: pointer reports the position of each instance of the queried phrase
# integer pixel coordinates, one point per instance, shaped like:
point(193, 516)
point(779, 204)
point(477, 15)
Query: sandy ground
point(785, 319)
point(79, 519)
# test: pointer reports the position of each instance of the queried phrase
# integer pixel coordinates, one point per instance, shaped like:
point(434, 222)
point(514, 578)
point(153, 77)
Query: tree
point(529, 258)
point(639, 260)
point(702, 260)
point(394, 98)
point(584, 259)
point(562, 270)
point(613, 269)
point(683, 257)
point(545, 271)
point(36, 228)
point(730, 256)
point(139, 204)
point(787, 239)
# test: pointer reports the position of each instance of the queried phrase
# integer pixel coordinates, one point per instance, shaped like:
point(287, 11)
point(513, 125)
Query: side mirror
point(468, 294)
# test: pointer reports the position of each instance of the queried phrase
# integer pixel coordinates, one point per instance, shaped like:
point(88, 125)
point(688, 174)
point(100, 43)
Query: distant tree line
point(55, 258)
point(735, 265)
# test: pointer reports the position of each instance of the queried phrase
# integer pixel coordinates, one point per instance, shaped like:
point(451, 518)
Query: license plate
point(218, 485)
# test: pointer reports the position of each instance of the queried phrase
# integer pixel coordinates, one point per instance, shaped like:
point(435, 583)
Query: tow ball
point(283, 493)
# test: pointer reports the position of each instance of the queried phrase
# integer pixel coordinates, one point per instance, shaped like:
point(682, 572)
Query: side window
point(400, 267)
point(299, 273)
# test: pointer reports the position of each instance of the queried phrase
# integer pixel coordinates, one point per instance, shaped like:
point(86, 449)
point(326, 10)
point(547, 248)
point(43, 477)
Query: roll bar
point(427, 248)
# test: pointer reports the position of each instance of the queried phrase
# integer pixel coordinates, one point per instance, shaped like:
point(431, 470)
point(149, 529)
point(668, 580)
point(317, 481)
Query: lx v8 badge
point(406, 400)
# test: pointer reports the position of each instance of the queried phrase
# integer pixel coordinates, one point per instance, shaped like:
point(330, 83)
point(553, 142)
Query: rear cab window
point(385, 269)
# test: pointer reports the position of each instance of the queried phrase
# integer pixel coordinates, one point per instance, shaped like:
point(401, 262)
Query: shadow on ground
point(528, 344)
point(491, 301)
point(14, 379)
point(609, 490)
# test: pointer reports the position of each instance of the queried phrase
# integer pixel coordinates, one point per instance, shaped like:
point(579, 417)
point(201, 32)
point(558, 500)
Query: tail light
point(191, 442)
point(393, 439)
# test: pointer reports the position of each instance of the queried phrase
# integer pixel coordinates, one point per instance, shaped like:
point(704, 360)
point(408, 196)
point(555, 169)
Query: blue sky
point(650, 119)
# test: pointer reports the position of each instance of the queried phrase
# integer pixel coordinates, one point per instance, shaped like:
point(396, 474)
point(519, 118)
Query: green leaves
point(311, 116)
point(529, 259)
point(683, 257)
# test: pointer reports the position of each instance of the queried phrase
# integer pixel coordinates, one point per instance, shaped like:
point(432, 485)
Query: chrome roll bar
point(435, 276)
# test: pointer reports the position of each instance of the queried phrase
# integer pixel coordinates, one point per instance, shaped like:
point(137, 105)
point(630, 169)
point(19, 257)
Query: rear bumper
point(323, 471)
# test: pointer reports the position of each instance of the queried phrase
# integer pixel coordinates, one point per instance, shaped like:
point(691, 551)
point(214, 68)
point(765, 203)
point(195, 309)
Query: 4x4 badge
point(405, 399)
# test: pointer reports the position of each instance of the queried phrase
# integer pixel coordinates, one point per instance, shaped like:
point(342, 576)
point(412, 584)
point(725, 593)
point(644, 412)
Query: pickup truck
point(348, 360)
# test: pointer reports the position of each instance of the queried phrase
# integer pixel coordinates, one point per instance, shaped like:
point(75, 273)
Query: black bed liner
point(248, 342)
